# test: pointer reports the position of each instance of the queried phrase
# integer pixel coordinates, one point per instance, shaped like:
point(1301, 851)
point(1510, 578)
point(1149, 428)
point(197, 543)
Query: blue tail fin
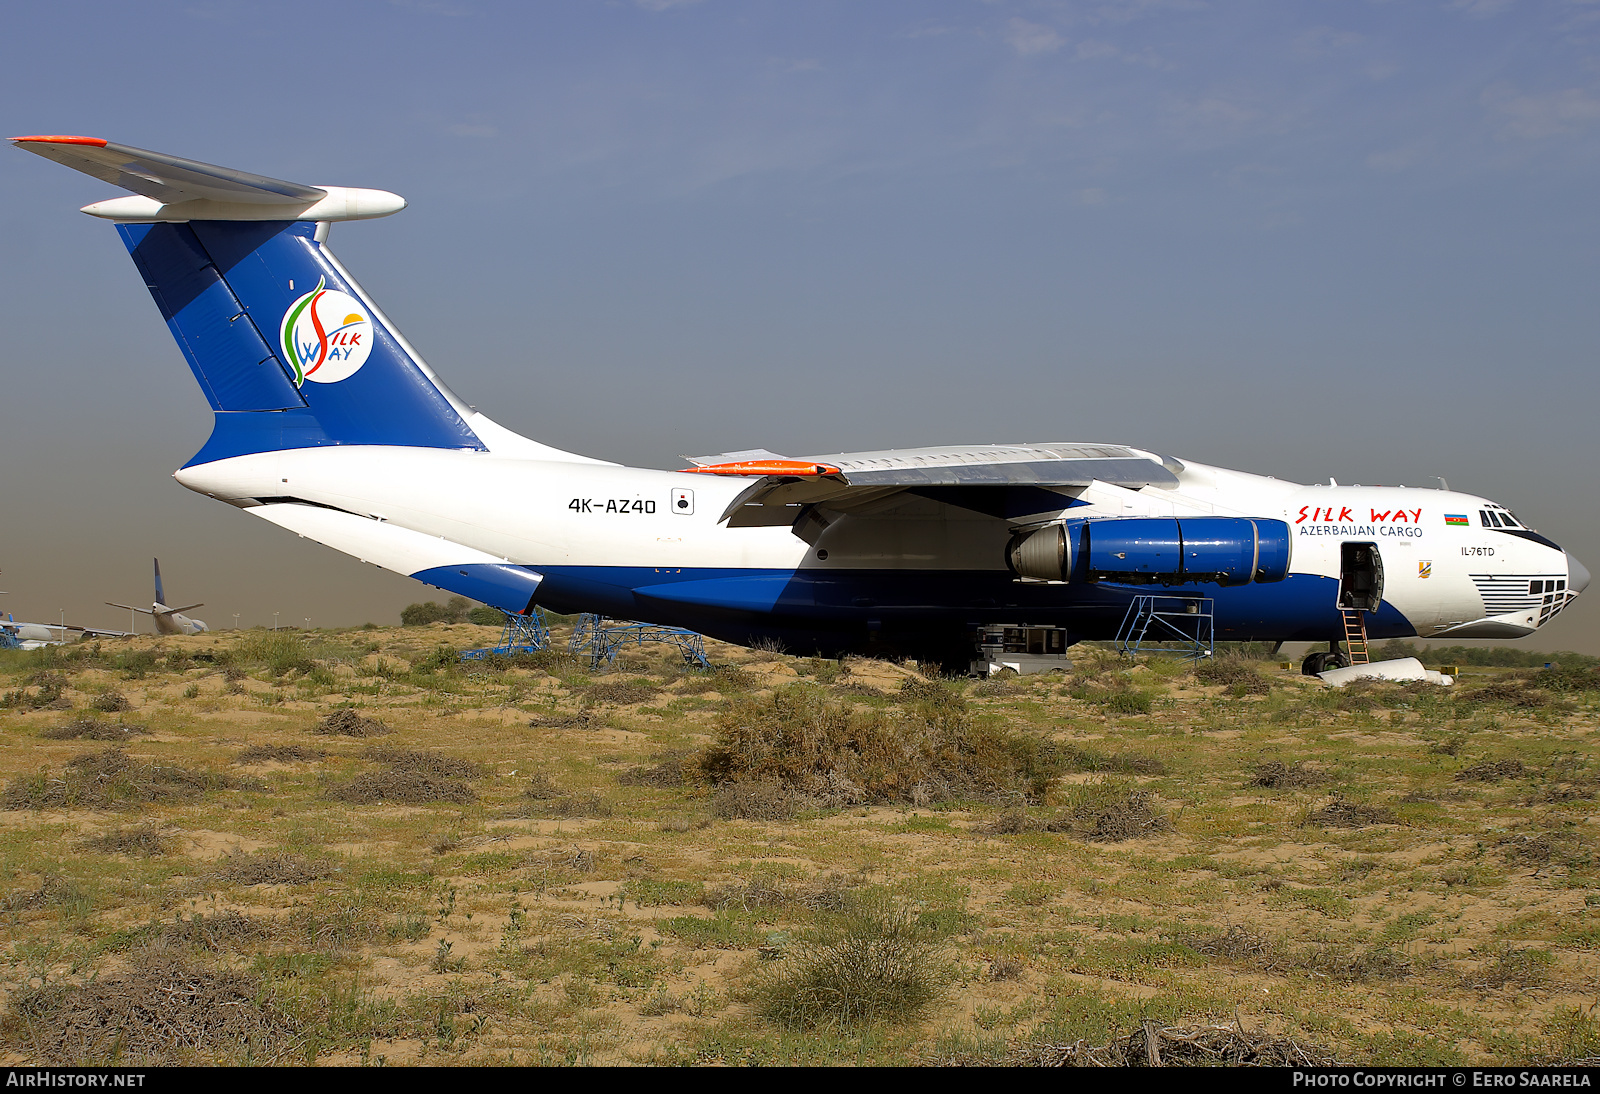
point(161, 596)
point(287, 348)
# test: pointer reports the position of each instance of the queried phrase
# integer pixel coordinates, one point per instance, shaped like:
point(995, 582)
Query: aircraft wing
point(101, 632)
point(87, 632)
point(781, 486)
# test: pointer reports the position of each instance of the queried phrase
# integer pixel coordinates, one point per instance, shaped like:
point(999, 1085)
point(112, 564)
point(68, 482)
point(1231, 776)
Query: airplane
point(30, 636)
point(168, 620)
point(330, 425)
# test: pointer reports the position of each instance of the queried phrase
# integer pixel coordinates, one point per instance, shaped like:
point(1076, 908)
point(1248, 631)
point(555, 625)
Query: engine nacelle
point(1154, 550)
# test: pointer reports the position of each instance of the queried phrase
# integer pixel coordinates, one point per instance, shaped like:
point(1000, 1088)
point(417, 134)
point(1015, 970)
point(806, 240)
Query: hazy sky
point(1304, 239)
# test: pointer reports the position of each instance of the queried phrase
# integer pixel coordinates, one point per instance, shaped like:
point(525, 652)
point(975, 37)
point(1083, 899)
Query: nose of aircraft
point(1577, 575)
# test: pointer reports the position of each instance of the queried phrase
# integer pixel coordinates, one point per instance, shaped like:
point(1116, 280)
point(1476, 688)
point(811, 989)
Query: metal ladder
point(1355, 635)
point(1180, 625)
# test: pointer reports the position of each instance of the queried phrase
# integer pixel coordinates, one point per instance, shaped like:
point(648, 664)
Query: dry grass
point(345, 722)
point(113, 779)
point(285, 754)
point(430, 764)
point(1510, 967)
point(165, 1010)
point(1238, 675)
point(835, 754)
point(1237, 943)
point(535, 916)
point(145, 841)
point(1491, 771)
point(621, 691)
point(878, 966)
point(1281, 776)
point(666, 771)
point(277, 869)
point(1099, 812)
point(1340, 813)
point(1154, 1045)
point(758, 800)
point(401, 788)
point(410, 777)
point(110, 702)
point(92, 729)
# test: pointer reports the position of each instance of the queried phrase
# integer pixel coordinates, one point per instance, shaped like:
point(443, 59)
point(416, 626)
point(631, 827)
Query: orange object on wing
point(796, 468)
point(58, 139)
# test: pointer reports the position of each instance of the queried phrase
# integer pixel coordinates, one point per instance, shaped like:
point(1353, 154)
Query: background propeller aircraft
point(328, 424)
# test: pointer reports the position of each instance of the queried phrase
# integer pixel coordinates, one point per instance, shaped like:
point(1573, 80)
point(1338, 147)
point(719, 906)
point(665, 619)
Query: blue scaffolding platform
point(1179, 625)
point(523, 634)
point(603, 637)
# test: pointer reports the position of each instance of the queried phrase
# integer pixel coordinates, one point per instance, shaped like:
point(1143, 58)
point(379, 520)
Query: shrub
point(1277, 775)
point(112, 779)
point(1234, 673)
point(1109, 812)
point(347, 723)
point(280, 652)
point(163, 1010)
point(91, 729)
point(411, 778)
point(454, 610)
point(757, 799)
point(110, 702)
point(1345, 814)
point(838, 755)
point(879, 965)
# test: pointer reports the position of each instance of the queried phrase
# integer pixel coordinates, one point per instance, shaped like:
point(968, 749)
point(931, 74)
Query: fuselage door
point(1360, 576)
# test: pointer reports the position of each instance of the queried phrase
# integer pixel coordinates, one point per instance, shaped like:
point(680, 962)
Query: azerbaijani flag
point(1457, 518)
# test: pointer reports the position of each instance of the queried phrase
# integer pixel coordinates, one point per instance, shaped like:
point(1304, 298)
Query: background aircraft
point(329, 424)
point(167, 620)
point(28, 636)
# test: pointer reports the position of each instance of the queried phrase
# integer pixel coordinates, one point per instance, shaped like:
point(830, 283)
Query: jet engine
point(1153, 550)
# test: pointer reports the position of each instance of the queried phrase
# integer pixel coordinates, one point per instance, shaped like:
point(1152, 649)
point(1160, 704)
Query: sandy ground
point(614, 920)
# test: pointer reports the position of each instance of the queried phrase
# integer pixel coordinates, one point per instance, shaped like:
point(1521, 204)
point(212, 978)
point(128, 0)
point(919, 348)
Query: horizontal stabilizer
point(171, 188)
point(185, 608)
point(131, 608)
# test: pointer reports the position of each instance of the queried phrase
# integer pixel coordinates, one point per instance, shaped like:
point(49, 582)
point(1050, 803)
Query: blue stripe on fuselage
point(712, 600)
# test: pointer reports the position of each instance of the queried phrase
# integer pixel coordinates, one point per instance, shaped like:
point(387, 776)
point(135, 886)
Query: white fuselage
point(1445, 579)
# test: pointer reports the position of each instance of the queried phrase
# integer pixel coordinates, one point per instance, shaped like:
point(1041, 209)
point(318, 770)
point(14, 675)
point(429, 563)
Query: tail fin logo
point(326, 335)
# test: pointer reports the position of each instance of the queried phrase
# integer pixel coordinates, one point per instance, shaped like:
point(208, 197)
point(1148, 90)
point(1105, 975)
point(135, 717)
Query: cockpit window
point(1483, 515)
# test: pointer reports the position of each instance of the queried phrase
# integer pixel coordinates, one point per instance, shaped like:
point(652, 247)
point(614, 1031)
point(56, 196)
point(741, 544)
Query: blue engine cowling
point(1151, 550)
